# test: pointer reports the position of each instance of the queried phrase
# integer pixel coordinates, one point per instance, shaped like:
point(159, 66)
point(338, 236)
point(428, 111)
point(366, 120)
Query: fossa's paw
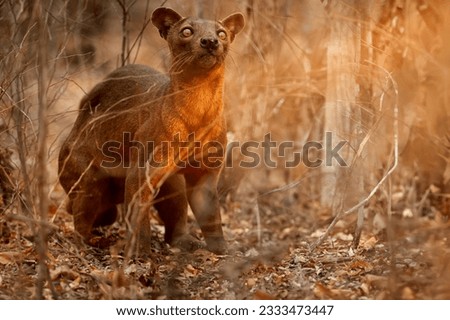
point(188, 243)
point(217, 246)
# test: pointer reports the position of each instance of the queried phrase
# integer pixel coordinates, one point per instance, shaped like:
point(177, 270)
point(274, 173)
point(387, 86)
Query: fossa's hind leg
point(93, 204)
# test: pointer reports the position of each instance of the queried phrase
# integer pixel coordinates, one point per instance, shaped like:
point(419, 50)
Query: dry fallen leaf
point(407, 213)
point(376, 281)
point(322, 292)
point(369, 244)
point(190, 271)
point(343, 236)
point(9, 257)
point(75, 283)
point(318, 233)
point(262, 295)
point(408, 294)
point(251, 282)
point(361, 265)
point(365, 288)
point(63, 272)
point(379, 222)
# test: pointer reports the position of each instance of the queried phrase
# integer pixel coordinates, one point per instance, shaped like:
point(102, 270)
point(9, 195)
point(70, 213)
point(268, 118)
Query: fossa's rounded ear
point(234, 23)
point(163, 19)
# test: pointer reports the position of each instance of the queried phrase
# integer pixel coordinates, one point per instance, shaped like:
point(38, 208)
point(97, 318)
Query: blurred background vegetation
point(374, 73)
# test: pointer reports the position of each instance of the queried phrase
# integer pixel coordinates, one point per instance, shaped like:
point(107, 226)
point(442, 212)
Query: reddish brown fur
point(153, 107)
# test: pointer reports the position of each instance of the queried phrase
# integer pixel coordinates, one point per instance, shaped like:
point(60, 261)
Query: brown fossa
point(123, 145)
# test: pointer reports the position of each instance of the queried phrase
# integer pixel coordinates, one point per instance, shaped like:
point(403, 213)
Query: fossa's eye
point(187, 32)
point(222, 35)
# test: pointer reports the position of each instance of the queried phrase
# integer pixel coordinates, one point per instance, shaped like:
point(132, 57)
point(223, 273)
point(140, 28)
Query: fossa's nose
point(209, 43)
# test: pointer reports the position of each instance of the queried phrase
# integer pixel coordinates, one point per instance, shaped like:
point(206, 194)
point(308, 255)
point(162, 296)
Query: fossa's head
point(196, 45)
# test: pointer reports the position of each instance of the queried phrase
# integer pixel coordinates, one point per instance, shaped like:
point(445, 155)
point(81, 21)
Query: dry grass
point(300, 69)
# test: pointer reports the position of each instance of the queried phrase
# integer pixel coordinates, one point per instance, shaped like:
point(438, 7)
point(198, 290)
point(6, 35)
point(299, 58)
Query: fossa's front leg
point(141, 188)
point(201, 189)
point(171, 204)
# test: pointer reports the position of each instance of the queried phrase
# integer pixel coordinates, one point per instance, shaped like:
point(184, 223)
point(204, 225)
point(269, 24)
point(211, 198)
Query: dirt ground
point(407, 258)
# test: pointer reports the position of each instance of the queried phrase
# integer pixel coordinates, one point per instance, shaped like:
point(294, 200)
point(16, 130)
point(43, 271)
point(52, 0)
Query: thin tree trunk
point(341, 115)
point(42, 152)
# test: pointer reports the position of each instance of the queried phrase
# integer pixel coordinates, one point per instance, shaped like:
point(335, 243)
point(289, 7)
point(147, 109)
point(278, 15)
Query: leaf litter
point(412, 263)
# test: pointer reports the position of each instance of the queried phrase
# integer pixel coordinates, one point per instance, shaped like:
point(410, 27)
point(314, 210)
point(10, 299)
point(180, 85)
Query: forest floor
point(408, 260)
